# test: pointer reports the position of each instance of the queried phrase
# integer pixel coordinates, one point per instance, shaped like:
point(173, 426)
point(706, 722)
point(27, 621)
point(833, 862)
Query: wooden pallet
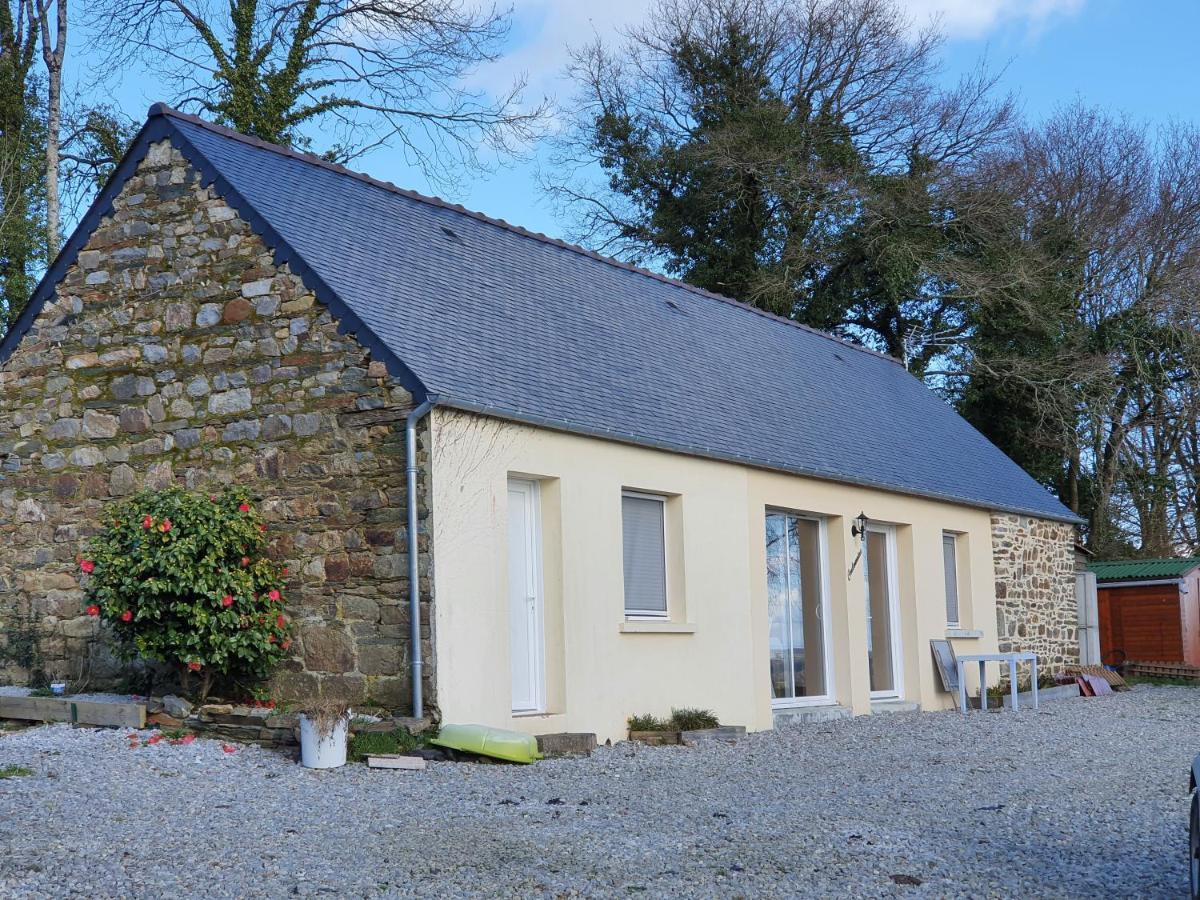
point(1163, 670)
point(79, 712)
point(1115, 681)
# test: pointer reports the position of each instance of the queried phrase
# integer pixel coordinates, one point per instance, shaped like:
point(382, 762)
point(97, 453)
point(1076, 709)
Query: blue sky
point(1135, 56)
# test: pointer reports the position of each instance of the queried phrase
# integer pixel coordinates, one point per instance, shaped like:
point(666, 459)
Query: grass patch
point(15, 771)
point(377, 743)
point(680, 720)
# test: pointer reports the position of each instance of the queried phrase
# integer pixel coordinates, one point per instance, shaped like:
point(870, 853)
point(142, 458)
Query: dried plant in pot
point(324, 726)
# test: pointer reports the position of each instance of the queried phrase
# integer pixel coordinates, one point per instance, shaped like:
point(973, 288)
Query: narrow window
point(950, 565)
point(643, 523)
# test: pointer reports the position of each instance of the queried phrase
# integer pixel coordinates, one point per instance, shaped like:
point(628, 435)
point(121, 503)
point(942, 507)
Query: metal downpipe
point(414, 579)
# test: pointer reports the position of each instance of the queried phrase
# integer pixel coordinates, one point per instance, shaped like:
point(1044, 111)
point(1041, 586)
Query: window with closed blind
point(950, 566)
point(643, 538)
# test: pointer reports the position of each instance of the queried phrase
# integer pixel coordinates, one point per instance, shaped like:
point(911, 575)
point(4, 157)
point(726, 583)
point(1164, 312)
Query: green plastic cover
point(486, 741)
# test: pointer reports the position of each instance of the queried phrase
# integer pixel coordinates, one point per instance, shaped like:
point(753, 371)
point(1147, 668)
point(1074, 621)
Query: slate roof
point(1143, 569)
point(487, 317)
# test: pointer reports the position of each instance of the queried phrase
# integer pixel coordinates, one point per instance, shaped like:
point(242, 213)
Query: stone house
point(628, 494)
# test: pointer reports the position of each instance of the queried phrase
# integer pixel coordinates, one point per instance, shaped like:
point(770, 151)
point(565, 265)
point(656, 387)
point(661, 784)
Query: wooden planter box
point(726, 733)
point(656, 738)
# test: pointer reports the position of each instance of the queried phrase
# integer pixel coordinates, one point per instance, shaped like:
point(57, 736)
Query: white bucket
point(328, 752)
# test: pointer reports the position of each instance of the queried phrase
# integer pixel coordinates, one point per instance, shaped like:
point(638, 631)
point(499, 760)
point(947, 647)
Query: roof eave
point(533, 419)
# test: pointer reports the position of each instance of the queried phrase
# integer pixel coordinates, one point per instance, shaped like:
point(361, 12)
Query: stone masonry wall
point(1035, 588)
point(176, 352)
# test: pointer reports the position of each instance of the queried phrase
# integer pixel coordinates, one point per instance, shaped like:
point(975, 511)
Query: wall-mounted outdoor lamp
point(858, 529)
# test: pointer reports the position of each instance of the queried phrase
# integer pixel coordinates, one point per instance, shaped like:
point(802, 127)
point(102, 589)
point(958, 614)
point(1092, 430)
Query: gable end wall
point(1036, 608)
point(175, 351)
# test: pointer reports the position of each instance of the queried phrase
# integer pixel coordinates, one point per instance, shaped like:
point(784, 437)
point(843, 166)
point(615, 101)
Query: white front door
point(525, 597)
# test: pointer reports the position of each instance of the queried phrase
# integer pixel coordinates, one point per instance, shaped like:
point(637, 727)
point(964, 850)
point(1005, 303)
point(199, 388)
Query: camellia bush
point(184, 579)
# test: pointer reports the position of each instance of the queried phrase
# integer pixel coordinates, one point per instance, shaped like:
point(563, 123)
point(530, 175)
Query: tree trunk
point(53, 56)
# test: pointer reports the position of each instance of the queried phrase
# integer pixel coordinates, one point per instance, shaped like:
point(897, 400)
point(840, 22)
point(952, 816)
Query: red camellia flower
point(285, 571)
point(193, 666)
point(245, 561)
point(148, 522)
point(274, 595)
point(281, 621)
point(93, 610)
point(287, 645)
point(127, 616)
point(262, 528)
point(165, 526)
point(87, 566)
point(270, 638)
point(245, 507)
point(227, 601)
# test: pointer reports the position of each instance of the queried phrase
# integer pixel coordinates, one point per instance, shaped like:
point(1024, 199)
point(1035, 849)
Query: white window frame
point(953, 538)
point(643, 615)
point(826, 614)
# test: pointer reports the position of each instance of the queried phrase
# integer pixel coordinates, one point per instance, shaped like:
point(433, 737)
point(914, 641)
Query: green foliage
point(22, 145)
point(648, 723)
point(686, 719)
point(184, 579)
point(375, 743)
point(693, 719)
point(15, 772)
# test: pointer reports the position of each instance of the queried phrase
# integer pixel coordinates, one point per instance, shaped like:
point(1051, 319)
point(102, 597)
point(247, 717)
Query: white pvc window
point(950, 568)
point(643, 539)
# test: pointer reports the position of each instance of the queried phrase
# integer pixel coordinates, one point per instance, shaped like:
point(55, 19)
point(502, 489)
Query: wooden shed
point(1149, 610)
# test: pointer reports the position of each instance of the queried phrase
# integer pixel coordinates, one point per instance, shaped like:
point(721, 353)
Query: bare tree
point(1110, 218)
point(370, 71)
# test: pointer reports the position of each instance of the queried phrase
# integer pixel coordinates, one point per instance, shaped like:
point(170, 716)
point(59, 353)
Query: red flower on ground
point(227, 601)
point(245, 507)
point(93, 610)
point(87, 566)
point(281, 621)
point(127, 616)
point(274, 595)
point(228, 749)
point(193, 666)
point(165, 526)
point(154, 739)
point(148, 522)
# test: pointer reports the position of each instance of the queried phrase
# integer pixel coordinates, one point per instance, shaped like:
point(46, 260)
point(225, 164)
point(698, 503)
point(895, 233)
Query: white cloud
point(976, 18)
point(544, 29)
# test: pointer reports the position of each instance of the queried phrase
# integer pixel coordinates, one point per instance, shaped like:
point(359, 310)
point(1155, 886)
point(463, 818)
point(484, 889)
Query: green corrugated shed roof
point(1139, 569)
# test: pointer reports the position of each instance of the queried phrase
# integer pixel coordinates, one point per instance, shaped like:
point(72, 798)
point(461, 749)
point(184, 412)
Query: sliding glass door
point(883, 644)
point(796, 603)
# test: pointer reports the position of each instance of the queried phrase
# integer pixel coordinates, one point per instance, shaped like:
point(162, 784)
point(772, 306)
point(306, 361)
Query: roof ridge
point(162, 109)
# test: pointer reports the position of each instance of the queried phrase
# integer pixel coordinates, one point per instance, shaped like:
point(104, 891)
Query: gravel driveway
point(1084, 798)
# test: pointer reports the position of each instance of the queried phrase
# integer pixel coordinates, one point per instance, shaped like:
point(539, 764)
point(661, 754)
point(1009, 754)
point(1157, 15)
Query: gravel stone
point(1084, 798)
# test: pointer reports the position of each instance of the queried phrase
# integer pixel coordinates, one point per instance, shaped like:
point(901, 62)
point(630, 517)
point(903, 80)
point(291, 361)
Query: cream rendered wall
point(713, 653)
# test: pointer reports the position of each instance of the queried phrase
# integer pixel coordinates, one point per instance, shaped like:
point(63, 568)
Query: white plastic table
point(983, 659)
